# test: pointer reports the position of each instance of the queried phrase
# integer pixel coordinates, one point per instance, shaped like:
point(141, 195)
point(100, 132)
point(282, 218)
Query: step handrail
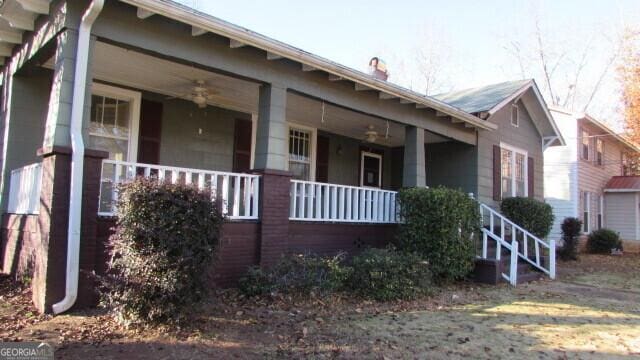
point(523, 251)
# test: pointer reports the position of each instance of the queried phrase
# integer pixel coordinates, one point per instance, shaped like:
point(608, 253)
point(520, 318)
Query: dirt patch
point(546, 319)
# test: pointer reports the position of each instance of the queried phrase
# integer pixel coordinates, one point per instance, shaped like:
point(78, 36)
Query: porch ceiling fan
point(199, 94)
point(372, 136)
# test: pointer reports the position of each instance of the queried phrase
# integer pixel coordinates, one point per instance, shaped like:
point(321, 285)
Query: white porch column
point(414, 172)
point(271, 136)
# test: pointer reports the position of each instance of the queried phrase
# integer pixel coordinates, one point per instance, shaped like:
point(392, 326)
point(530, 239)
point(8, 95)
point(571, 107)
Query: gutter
point(186, 15)
point(77, 157)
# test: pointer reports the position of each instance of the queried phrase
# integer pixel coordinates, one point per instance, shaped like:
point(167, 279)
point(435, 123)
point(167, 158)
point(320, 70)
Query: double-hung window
point(600, 204)
point(113, 126)
point(625, 164)
point(301, 152)
point(585, 146)
point(599, 152)
point(586, 213)
point(514, 171)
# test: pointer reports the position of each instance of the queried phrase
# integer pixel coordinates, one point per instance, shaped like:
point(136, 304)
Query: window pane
point(507, 173)
point(300, 153)
point(109, 126)
point(519, 174)
point(371, 171)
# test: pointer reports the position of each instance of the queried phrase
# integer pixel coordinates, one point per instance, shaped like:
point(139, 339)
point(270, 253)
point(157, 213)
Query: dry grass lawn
point(591, 312)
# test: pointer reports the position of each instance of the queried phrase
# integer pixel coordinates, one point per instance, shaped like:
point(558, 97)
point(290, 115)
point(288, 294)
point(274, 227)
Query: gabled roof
point(202, 23)
point(484, 98)
point(487, 100)
point(623, 184)
point(584, 116)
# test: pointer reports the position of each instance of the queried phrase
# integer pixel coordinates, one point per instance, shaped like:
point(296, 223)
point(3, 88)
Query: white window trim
point(514, 150)
point(312, 150)
point(373, 155)
point(517, 123)
point(134, 97)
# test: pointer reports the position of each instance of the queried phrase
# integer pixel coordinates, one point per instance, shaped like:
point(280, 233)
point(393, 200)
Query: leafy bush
point(438, 225)
point(601, 241)
point(387, 274)
point(571, 228)
point(300, 273)
point(161, 252)
point(533, 215)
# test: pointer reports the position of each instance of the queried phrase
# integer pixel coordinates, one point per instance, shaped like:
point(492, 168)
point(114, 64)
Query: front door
point(370, 169)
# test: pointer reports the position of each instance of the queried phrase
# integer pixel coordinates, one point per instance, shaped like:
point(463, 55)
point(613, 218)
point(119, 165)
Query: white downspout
point(77, 157)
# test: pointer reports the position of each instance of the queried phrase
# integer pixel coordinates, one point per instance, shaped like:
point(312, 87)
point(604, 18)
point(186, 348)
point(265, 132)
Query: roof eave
point(209, 23)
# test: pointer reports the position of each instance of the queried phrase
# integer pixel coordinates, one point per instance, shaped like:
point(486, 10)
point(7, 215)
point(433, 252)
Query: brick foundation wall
point(331, 238)
point(18, 245)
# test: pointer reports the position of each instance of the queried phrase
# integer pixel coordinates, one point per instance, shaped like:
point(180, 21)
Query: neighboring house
point(305, 154)
point(576, 175)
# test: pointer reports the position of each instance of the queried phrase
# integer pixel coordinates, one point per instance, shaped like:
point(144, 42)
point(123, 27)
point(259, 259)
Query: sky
point(466, 42)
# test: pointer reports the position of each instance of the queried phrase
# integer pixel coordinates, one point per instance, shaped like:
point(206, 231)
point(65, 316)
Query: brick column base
point(274, 215)
point(50, 266)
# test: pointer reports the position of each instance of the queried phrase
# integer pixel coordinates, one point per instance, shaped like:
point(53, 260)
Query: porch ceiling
point(137, 70)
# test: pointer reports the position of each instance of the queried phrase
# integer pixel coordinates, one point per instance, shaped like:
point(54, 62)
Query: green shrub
point(571, 228)
point(387, 274)
point(161, 252)
point(299, 274)
point(601, 241)
point(438, 225)
point(533, 215)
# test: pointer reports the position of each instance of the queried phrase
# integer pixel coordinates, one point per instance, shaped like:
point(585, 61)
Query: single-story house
point(304, 153)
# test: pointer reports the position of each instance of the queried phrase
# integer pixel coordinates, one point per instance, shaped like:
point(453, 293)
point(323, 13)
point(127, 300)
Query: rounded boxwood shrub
point(601, 241)
point(161, 252)
point(387, 274)
point(533, 215)
point(297, 273)
point(571, 228)
point(438, 225)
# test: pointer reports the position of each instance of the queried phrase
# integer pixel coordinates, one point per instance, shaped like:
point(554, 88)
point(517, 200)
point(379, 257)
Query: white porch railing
point(520, 243)
point(238, 192)
point(24, 190)
point(313, 201)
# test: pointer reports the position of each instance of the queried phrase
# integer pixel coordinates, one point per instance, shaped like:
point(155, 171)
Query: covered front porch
point(182, 123)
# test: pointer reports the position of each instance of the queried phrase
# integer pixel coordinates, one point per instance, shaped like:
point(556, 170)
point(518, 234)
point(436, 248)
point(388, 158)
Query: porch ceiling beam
point(360, 87)
point(306, 67)
point(335, 78)
point(144, 13)
point(272, 56)
point(20, 21)
point(5, 49)
point(456, 121)
point(405, 101)
point(196, 31)
point(385, 96)
point(36, 6)
point(234, 44)
point(13, 37)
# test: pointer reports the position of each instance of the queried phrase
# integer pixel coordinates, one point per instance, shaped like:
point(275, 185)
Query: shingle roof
point(482, 98)
point(623, 183)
